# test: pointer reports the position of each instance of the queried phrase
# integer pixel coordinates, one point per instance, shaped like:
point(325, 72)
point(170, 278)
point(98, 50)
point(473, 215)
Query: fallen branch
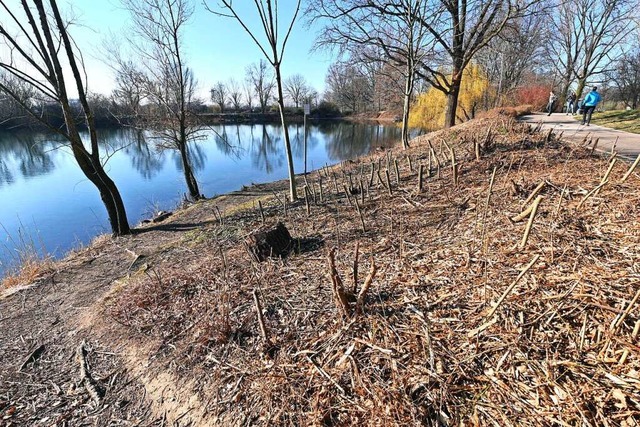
point(591, 193)
point(86, 379)
point(527, 230)
point(512, 285)
point(630, 171)
point(534, 193)
point(263, 327)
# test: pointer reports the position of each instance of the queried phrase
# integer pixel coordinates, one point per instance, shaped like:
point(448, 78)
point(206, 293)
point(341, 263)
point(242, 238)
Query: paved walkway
point(627, 145)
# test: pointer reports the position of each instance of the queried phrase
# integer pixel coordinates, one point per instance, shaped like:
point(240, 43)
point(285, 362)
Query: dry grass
point(31, 270)
point(32, 266)
point(460, 326)
point(516, 111)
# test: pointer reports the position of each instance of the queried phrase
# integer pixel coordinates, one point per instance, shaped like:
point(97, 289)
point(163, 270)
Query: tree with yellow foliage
point(428, 112)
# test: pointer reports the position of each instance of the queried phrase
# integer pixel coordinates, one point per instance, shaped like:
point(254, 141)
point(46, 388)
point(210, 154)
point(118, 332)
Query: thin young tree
point(247, 89)
point(170, 86)
point(42, 55)
point(273, 50)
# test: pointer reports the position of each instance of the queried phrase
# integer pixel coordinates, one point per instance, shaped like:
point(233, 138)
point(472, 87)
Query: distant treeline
point(108, 113)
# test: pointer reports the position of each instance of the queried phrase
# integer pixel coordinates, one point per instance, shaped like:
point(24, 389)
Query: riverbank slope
point(500, 289)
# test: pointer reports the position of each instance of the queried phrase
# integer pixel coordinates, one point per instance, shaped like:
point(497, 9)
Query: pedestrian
point(571, 102)
point(589, 104)
point(551, 104)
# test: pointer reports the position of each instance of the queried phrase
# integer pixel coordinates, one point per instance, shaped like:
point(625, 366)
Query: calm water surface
point(45, 201)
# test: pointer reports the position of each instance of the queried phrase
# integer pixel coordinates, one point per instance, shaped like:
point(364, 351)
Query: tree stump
point(269, 242)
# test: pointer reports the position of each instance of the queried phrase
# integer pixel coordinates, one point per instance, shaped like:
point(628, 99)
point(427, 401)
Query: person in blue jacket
point(589, 104)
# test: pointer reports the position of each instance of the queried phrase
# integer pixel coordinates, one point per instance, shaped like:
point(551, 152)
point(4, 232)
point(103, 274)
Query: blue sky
point(217, 48)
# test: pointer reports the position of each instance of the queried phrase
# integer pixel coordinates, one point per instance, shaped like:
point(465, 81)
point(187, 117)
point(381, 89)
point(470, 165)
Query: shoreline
point(175, 207)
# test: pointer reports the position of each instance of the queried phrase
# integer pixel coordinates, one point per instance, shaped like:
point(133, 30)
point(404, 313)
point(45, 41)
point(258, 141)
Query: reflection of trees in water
point(297, 139)
point(31, 153)
point(349, 140)
point(267, 151)
point(5, 174)
point(197, 157)
point(135, 144)
point(221, 138)
point(146, 160)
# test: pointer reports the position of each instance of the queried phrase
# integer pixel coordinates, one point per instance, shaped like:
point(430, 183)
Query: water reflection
point(41, 184)
point(267, 152)
point(23, 155)
point(145, 158)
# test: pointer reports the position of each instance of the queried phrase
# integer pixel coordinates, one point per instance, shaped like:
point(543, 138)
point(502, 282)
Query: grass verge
point(626, 120)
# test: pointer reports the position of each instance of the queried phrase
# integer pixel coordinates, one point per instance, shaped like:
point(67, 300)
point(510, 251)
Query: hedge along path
point(407, 350)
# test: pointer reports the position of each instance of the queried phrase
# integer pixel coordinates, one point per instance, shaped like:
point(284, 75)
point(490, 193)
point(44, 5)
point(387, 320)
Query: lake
point(46, 203)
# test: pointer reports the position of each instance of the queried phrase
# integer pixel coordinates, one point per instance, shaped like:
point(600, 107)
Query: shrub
point(535, 96)
point(326, 109)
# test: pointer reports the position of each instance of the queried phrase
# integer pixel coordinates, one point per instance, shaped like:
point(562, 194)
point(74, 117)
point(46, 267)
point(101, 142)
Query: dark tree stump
point(266, 242)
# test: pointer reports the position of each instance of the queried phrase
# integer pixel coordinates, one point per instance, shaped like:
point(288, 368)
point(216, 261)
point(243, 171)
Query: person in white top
point(551, 104)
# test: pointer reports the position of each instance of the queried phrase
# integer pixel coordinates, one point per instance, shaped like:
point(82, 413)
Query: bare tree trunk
point(192, 183)
point(92, 168)
point(452, 100)
point(89, 163)
point(189, 177)
point(566, 82)
point(582, 82)
point(408, 91)
point(293, 196)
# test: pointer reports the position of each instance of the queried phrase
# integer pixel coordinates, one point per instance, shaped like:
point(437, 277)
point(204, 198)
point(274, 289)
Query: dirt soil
point(402, 301)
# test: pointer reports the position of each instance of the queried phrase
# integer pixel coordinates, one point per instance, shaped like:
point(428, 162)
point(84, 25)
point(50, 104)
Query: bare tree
point(235, 94)
point(129, 92)
point(626, 78)
point(460, 30)
point(262, 83)
point(585, 36)
point(349, 87)
point(389, 33)
point(170, 85)
point(247, 89)
point(219, 95)
point(516, 51)
point(311, 97)
point(452, 33)
point(273, 50)
point(296, 88)
point(44, 58)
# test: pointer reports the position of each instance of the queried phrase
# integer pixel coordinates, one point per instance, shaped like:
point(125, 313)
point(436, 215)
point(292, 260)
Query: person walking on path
point(589, 104)
point(571, 102)
point(552, 101)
